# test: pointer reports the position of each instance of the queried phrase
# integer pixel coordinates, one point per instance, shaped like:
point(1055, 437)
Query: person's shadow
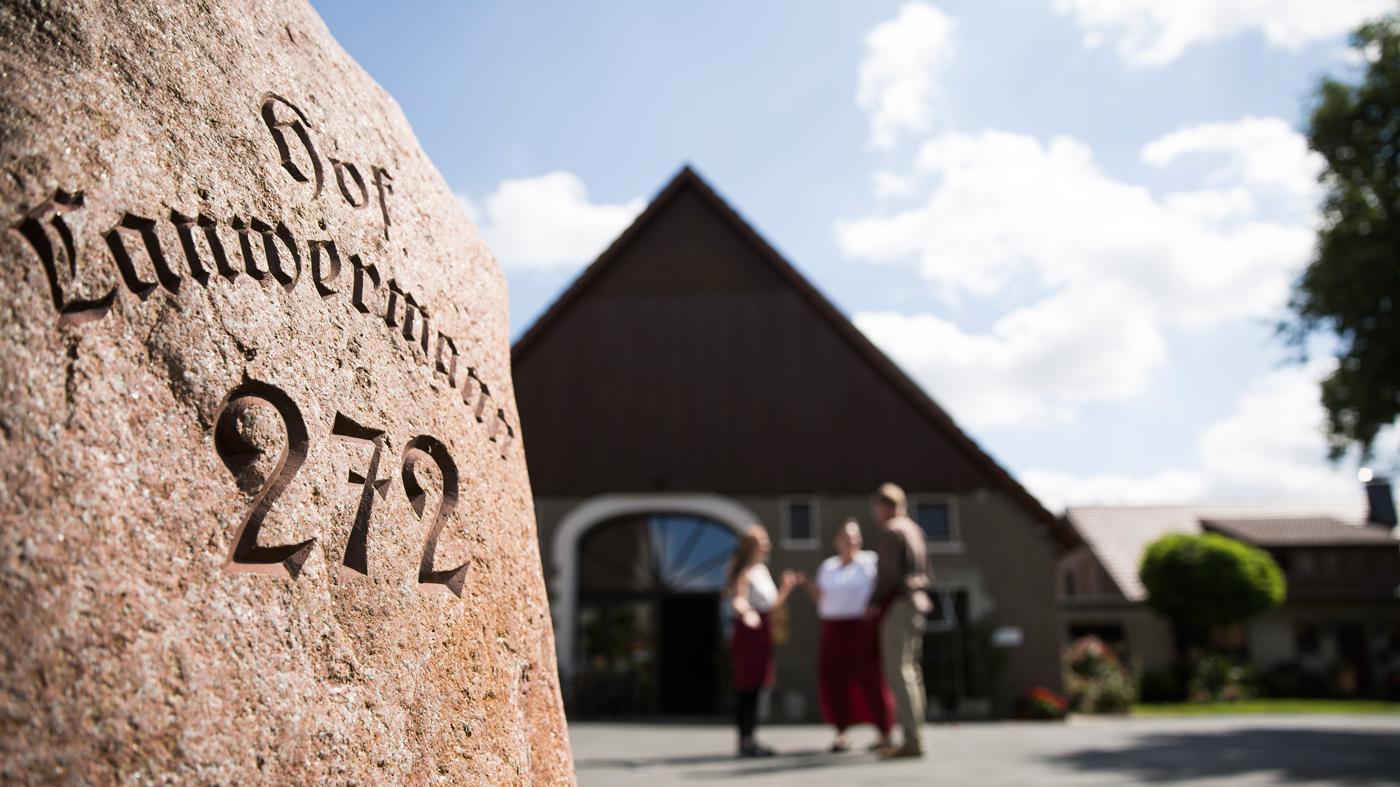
point(792, 760)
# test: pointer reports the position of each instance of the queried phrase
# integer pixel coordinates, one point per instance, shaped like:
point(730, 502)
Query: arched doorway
point(650, 616)
point(639, 619)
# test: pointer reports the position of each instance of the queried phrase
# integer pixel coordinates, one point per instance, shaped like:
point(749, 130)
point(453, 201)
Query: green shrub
point(1201, 581)
point(1161, 685)
point(1095, 680)
point(1217, 677)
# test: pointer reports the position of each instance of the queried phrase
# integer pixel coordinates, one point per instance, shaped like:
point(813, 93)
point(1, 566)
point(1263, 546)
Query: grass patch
point(1266, 706)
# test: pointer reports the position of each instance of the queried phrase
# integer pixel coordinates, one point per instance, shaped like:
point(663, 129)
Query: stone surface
point(222, 465)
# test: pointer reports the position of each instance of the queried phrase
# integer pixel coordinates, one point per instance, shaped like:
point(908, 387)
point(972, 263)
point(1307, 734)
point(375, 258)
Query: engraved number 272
point(239, 454)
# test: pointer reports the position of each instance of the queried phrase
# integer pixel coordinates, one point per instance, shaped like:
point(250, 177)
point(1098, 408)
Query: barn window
point(937, 517)
point(799, 523)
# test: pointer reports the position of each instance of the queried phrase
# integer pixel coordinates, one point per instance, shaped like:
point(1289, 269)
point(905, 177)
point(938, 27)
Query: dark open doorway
point(690, 640)
point(650, 624)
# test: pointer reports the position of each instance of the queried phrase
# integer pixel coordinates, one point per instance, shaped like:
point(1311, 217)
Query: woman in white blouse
point(753, 595)
point(851, 688)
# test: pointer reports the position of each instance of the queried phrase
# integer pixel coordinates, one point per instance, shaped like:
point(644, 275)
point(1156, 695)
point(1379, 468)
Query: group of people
point(872, 606)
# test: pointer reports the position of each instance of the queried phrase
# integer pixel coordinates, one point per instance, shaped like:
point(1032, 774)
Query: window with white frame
point(799, 523)
point(938, 518)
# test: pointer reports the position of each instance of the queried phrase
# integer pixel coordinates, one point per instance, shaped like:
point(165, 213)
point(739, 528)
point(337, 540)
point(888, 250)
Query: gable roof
point(1309, 531)
point(886, 369)
point(1118, 535)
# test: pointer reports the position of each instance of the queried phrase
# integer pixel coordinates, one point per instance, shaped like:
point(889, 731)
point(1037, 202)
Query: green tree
point(1207, 580)
point(1351, 289)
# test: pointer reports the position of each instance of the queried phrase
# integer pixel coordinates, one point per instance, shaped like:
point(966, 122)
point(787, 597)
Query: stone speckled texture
point(138, 645)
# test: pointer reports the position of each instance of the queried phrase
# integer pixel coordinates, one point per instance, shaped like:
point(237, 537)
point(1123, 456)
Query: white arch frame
point(602, 508)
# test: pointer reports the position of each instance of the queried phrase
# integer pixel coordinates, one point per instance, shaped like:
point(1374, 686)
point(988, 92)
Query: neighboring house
point(692, 383)
point(1341, 621)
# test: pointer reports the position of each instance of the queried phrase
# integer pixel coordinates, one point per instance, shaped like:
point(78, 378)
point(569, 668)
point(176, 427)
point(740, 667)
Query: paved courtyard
point(1244, 750)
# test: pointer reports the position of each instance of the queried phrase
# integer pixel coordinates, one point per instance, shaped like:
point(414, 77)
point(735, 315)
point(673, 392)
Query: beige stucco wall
point(1272, 636)
point(1149, 635)
point(1004, 559)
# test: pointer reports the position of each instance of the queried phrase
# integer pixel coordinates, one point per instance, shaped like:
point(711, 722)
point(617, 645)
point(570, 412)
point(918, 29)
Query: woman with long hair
point(849, 684)
point(753, 595)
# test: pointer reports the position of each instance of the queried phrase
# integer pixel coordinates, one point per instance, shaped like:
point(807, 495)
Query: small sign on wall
point(1008, 637)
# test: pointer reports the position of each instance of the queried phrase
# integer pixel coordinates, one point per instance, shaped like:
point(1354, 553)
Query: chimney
point(1381, 502)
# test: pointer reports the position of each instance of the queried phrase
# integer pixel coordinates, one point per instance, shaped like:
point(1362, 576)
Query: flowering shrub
point(1095, 679)
point(1043, 704)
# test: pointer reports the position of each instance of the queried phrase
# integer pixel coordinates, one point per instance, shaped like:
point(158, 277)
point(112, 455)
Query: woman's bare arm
point(785, 589)
point(739, 601)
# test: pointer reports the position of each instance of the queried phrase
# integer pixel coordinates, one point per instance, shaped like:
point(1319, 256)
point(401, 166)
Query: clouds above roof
point(1090, 275)
point(1117, 266)
point(1156, 32)
point(1269, 447)
point(1000, 207)
point(898, 81)
point(548, 221)
point(1036, 364)
point(1261, 154)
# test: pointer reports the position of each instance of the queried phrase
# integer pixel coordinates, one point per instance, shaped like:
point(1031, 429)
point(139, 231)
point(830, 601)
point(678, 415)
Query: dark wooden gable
point(692, 357)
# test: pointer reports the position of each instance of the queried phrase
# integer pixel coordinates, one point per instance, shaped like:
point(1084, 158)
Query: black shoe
point(755, 750)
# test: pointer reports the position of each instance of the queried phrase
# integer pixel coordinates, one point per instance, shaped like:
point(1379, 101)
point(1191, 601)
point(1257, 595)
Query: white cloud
point(1209, 205)
point(1265, 154)
point(1274, 442)
point(888, 185)
point(1156, 32)
point(898, 79)
point(1006, 208)
point(548, 222)
point(1036, 364)
point(1002, 213)
point(1057, 490)
point(1272, 446)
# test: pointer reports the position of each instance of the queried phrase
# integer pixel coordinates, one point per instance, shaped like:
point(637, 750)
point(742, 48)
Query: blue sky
point(1073, 221)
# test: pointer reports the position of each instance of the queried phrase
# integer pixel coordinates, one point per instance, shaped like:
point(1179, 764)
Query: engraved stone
point(264, 512)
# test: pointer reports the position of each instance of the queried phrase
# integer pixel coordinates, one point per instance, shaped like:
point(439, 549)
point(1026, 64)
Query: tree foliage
point(1200, 581)
point(1351, 289)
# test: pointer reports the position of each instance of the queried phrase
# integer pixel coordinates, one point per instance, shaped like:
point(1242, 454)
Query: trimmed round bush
point(1206, 580)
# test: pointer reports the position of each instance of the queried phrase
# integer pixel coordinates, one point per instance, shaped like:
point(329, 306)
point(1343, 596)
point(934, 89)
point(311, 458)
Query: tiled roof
point(1117, 535)
point(1299, 531)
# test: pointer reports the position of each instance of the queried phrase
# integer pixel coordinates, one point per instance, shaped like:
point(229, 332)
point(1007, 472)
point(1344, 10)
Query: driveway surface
point(1241, 750)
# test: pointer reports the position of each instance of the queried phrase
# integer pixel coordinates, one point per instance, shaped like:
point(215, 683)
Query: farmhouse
point(724, 390)
point(1338, 633)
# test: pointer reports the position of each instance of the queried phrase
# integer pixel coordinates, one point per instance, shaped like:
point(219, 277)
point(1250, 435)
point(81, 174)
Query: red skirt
point(850, 684)
point(752, 654)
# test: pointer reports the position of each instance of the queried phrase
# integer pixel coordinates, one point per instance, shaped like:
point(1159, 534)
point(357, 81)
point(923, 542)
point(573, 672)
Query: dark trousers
point(746, 712)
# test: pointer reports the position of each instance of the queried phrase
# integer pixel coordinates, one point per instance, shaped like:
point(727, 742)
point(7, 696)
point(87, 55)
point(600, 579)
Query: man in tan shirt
point(901, 601)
